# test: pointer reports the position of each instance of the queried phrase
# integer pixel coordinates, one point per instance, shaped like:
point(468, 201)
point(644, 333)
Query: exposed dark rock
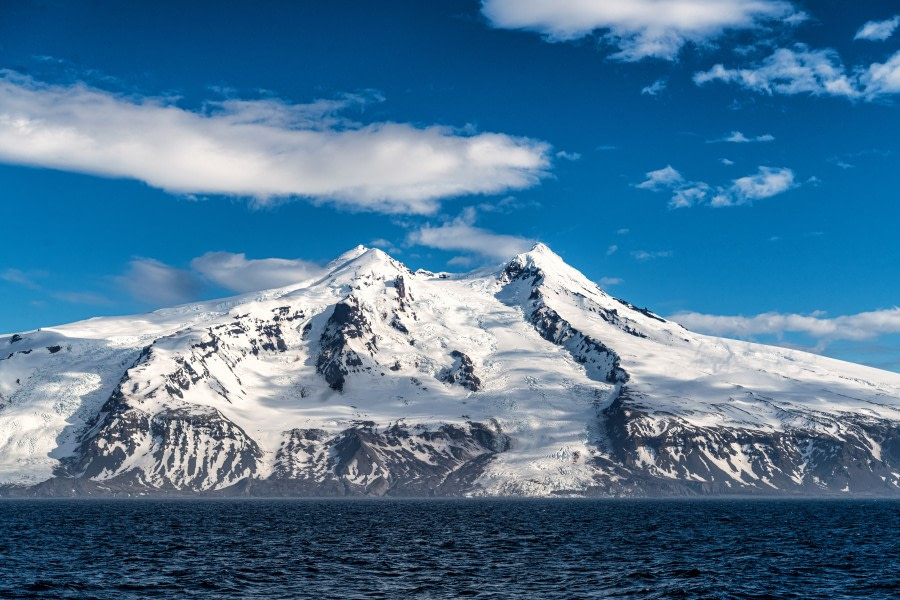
point(601, 362)
point(336, 359)
point(704, 460)
point(462, 372)
point(362, 460)
point(644, 311)
point(399, 326)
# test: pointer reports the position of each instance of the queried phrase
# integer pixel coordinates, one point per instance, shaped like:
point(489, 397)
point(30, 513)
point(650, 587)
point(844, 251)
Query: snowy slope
point(374, 379)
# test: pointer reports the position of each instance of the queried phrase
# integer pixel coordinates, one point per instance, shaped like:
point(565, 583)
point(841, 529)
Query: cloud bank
point(155, 282)
point(263, 149)
point(236, 273)
point(461, 234)
point(639, 28)
point(861, 326)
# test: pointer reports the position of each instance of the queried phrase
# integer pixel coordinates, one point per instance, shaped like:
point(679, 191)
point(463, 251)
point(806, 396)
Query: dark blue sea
point(449, 548)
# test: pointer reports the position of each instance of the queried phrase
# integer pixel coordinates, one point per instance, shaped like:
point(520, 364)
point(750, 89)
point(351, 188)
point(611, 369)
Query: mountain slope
point(374, 379)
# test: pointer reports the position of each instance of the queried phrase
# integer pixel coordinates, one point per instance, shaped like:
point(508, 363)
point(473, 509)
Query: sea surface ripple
point(449, 548)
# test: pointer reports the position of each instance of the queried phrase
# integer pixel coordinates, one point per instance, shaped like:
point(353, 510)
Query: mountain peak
point(362, 259)
point(542, 257)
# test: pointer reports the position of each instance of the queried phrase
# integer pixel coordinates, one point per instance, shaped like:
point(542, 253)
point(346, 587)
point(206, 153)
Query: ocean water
point(449, 548)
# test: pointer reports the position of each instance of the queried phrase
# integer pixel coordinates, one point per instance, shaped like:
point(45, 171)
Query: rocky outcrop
point(461, 372)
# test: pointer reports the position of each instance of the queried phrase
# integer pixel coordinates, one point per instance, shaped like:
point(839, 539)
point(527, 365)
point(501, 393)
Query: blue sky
point(733, 163)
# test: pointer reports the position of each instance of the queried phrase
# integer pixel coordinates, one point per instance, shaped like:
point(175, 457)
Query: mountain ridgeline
point(527, 380)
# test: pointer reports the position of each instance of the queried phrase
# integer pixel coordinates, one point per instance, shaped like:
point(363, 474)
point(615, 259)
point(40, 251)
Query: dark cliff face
point(682, 458)
point(336, 358)
point(394, 461)
point(184, 448)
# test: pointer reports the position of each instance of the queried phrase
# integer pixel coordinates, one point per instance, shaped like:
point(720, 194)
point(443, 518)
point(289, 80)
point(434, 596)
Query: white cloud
point(861, 326)
point(264, 149)
point(461, 234)
point(570, 156)
point(664, 178)
point(878, 31)
point(236, 273)
point(655, 88)
point(882, 78)
point(612, 250)
point(610, 281)
point(765, 183)
point(623, 231)
point(789, 71)
point(736, 137)
point(640, 28)
point(726, 161)
point(800, 70)
point(154, 282)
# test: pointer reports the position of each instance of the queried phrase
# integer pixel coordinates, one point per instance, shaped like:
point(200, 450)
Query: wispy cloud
point(736, 137)
point(153, 282)
point(570, 156)
point(655, 88)
point(639, 28)
point(878, 31)
point(88, 298)
point(661, 179)
point(861, 326)
point(263, 149)
point(237, 273)
point(461, 234)
point(508, 204)
point(610, 281)
point(22, 278)
point(765, 183)
point(645, 255)
point(801, 70)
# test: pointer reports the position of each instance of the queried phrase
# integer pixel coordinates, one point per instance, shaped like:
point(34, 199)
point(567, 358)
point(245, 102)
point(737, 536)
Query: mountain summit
point(373, 379)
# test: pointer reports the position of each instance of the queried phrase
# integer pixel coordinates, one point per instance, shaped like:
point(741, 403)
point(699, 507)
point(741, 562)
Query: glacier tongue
point(373, 379)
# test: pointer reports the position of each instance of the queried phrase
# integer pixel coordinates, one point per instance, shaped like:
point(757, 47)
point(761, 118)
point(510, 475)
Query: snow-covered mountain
point(526, 380)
